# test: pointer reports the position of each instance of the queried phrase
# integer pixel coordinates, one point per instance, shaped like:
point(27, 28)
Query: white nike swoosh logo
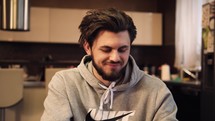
point(89, 118)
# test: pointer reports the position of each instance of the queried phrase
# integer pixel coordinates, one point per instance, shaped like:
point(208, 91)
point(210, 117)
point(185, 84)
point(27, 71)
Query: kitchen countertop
point(195, 84)
point(34, 84)
point(186, 87)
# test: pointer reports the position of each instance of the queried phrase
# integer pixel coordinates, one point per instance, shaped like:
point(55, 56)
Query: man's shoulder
point(67, 77)
point(151, 81)
point(67, 74)
point(67, 71)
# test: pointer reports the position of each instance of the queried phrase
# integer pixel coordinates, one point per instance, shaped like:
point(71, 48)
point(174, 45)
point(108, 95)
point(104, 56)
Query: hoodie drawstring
point(107, 96)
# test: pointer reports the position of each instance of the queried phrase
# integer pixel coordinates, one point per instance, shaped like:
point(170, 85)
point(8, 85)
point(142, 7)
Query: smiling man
point(110, 53)
point(107, 85)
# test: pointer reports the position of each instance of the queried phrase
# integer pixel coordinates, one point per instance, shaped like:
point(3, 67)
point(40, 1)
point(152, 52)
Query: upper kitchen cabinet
point(60, 25)
point(39, 28)
point(64, 25)
point(6, 35)
point(149, 28)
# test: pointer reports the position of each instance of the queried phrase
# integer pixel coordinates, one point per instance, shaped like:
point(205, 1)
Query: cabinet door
point(6, 35)
point(39, 28)
point(149, 28)
point(64, 25)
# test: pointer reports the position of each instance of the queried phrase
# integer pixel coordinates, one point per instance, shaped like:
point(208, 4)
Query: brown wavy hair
point(110, 19)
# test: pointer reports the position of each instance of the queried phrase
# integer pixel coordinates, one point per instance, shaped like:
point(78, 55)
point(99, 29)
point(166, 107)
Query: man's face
point(110, 53)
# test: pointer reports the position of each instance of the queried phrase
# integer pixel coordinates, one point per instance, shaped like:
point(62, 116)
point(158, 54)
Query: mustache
point(114, 62)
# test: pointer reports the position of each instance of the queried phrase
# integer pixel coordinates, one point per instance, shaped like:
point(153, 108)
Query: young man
point(107, 85)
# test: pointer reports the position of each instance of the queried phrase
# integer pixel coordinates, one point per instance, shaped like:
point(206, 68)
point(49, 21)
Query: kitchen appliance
point(15, 15)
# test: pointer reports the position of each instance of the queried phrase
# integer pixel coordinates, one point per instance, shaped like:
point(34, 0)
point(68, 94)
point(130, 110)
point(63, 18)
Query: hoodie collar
point(132, 74)
point(131, 78)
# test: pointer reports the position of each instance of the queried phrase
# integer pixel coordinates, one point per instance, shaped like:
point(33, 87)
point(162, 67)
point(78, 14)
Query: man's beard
point(113, 76)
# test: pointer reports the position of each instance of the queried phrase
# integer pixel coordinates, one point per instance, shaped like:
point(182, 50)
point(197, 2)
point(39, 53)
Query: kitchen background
point(147, 55)
point(35, 56)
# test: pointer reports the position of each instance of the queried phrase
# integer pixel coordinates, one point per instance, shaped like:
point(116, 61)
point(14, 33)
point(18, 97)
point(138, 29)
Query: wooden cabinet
point(208, 63)
point(149, 28)
point(6, 36)
point(60, 25)
point(64, 25)
point(39, 28)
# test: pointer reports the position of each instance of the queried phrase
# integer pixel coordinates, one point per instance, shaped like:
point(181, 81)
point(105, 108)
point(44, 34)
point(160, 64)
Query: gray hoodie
point(76, 94)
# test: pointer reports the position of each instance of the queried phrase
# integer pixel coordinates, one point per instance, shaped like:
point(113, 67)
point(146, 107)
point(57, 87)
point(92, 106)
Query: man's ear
point(87, 48)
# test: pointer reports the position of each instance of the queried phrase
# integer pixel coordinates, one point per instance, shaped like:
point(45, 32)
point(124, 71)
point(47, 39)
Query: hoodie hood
point(132, 74)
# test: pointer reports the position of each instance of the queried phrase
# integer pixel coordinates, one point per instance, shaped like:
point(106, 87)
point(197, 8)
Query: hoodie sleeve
point(165, 105)
point(56, 104)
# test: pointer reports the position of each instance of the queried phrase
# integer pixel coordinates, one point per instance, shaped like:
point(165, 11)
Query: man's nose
point(115, 56)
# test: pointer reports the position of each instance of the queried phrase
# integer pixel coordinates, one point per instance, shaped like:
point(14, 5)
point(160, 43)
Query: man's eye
point(121, 50)
point(106, 50)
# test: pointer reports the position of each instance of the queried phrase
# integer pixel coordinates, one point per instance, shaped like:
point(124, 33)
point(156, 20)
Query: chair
point(11, 88)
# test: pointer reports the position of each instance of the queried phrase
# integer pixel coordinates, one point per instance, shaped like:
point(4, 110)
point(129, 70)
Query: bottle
point(165, 72)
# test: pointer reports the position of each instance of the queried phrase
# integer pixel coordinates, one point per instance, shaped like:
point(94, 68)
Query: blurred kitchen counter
point(34, 84)
point(187, 95)
point(187, 87)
